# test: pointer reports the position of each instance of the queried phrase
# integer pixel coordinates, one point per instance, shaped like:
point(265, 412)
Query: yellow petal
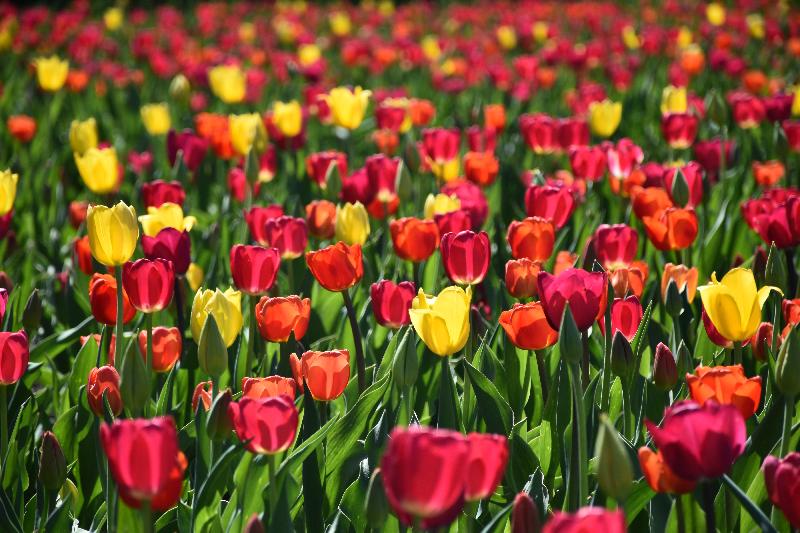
point(742, 287)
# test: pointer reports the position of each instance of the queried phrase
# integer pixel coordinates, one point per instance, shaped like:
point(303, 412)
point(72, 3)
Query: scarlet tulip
point(103, 300)
point(532, 238)
point(615, 245)
point(326, 373)
point(148, 284)
point(693, 174)
point(281, 316)
point(318, 166)
point(454, 221)
point(587, 162)
point(521, 277)
point(549, 202)
point(780, 478)
point(13, 356)
point(586, 519)
point(257, 388)
point(257, 218)
point(626, 314)
point(382, 173)
point(540, 132)
point(104, 382)
point(167, 346)
point(481, 167)
point(171, 245)
point(679, 129)
point(486, 464)
point(573, 132)
point(659, 476)
point(267, 425)
point(748, 111)
point(391, 302)
point(203, 393)
point(527, 326)
point(414, 239)
point(254, 269)
point(585, 291)
point(288, 234)
point(336, 267)
point(466, 256)
point(672, 229)
point(158, 192)
point(321, 218)
point(726, 385)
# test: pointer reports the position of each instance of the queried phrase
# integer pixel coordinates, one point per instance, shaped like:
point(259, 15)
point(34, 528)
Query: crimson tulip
point(171, 245)
point(158, 192)
point(587, 162)
point(288, 234)
point(572, 132)
point(539, 132)
point(615, 245)
point(466, 256)
point(780, 478)
point(281, 316)
point(472, 199)
point(585, 291)
point(486, 464)
point(267, 425)
point(710, 153)
point(257, 217)
point(626, 314)
point(679, 129)
point(318, 166)
point(254, 268)
point(454, 221)
point(551, 203)
point(586, 519)
point(391, 302)
point(149, 284)
point(14, 356)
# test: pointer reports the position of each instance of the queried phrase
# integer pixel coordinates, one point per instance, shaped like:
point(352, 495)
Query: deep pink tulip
point(585, 291)
point(149, 284)
point(14, 356)
point(550, 202)
point(466, 256)
point(391, 302)
point(171, 245)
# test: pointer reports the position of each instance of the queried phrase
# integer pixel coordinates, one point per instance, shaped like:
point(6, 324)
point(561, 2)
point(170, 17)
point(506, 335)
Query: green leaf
point(81, 366)
point(58, 342)
point(492, 407)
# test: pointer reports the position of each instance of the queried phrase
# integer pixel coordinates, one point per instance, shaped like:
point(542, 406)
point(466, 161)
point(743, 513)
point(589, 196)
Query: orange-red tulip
point(414, 239)
point(166, 347)
point(527, 326)
point(532, 238)
point(726, 385)
point(103, 299)
point(337, 267)
point(672, 229)
point(326, 373)
point(104, 381)
point(521, 277)
point(258, 388)
point(685, 278)
point(659, 476)
point(279, 317)
point(321, 218)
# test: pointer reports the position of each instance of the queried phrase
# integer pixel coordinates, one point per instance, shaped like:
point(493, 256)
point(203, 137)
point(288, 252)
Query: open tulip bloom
point(369, 267)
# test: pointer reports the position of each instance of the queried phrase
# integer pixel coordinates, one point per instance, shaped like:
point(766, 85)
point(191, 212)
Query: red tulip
point(532, 238)
point(792, 130)
point(672, 229)
point(321, 218)
point(158, 192)
point(326, 373)
point(171, 245)
point(586, 519)
point(626, 314)
point(466, 256)
point(167, 345)
point(238, 186)
point(141, 455)
point(693, 174)
point(192, 147)
point(14, 356)
point(83, 255)
point(391, 302)
point(486, 464)
point(149, 284)
point(318, 166)
point(585, 291)
point(524, 514)
point(778, 106)
point(279, 317)
point(267, 426)
point(103, 300)
point(358, 187)
point(257, 388)
point(527, 326)
point(622, 158)
point(454, 221)
point(382, 173)
point(169, 495)
point(587, 162)
point(481, 139)
point(472, 199)
point(414, 239)
point(781, 478)
point(650, 201)
point(615, 245)
point(709, 155)
point(679, 129)
point(573, 132)
point(441, 145)
point(699, 442)
point(549, 202)
point(337, 267)
point(254, 269)
point(104, 381)
point(521, 275)
point(288, 234)
point(748, 111)
point(257, 218)
point(774, 219)
point(540, 132)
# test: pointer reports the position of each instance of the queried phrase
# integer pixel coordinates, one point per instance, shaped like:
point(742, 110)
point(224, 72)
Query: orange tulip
point(564, 260)
point(22, 127)
point(414, 239)
point(278, 317)
point(166, 347)
point(103, 299)
point(527, 326)
point(768, 173)
point(258, 388)
point(521, 277)
point(494, 116)
point(203, 392)
point(726, 385)
point(685, 278)
point(421, 111)
point(321, 218)
point(672, 229)
point(103, 381)
point(326, 373)
point(659, 476)
point(533, 237)
point(481, 168)
point(629, 279)
point(649, 201)
point(337, 267)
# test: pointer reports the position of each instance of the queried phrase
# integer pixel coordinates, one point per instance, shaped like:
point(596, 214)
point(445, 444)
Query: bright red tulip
point(679, 129)
point(587, 162)
point(693, 174)
point(527, 326)
point(532, 238)
point(104, 381)
point(158, 192)
point(326, 373)
point(572, 132)
point(103, 299)
point(257, 218)
point(414, 239)
point(171, 245)
point(288, 234)
point(391, 302)
point(267, 426)
point(169, 495)
point(615, 245)
point(257, 388)
point(626, 314)
point(540, 132)
point(781, 478)
point(167, 345)
point(337, 267)
point(279, 317)
point(149, 284)
point(14, 356)
point(549, 202)
point(585, 291)
point(254, 268)
point(318, 166)
point(454, 221)
point(83, 255)
point(466, 256)
point(586, 519)
point(486, 464)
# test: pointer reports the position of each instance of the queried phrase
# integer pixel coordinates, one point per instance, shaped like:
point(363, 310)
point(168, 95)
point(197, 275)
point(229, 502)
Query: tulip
point(734, 304)
point(780, 478)
point(604, 117)
point(14, 356)
point(466, 256)
point(585, 291)
point(710, 155)
point(21, 127)
point(352, 223)
point(247, 132)
point(587, 162)
point(202, 393)
point(391, 302)
point(254, 269)
point(167, 215)
point(52, 463)
point(227, 83)
point(8, 191)
point(51, 72)
point(679, 129)
point(693, 175)
point(103, 383)
point(83, 135)
point(665, 369)
point(279, 317)
point(103, 300)
point(442, 322)
point(453, 222)
point(170, 245)
point(440, 149)
point(258, 388)
point(318, 166)
point(267, 425)
point(321, 219)
point(348, 106)
point(551, 203)
point(521, 277)
point(726, 385)
point(586, 519)
point(159, 192)
point(768, 173)
point(672, 228)
point(626, 314)
point(481, 167)
point(748, 111)
point(288, 117)
point(191, 146)
point(413, 239)
point(326, 373)
point(99, 169)
point(226, 307)
point(532, 238)
point(615, 245)
point(485, 466)
point(166, 346)
point(440, 204)
point(673, 100)
point(572, 132)
point(257, 217)
point(336, 267)
point(540, 132)
point(149, 284)
point(527, 326)
point(651, 201)
point(623, 158)
point(156, 118)
point(684, 278)
point(659, 476)
point(699, 442)
point(129, 444)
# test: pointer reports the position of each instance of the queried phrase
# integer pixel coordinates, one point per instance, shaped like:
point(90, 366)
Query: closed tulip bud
point(52, 463)
point(775, 272)
point(155, 118)
point(51, 72)
point(621, 355)
point(179, 87)
point(405, 366)
point(684, 359)
point(225, 307)
point(212, 352)
point(99, 169)
point(352, 223)
point(525, 515)
point(376, 506)
point(673, 300)
point(113, 233)
point(680, 189)
point(83, 135)
point(218, 421)
point(787, 367)
point(32, 315)
point(254, 525)
point(134, 381)
point(665, 368)
point(8, 191)
point(570, 345)
point(614, 468)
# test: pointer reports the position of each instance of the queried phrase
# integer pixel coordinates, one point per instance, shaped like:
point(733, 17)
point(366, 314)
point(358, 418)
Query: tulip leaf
point(216, 480)
point(58, 342)
point(448, 413)
point(81, 366)
point(8, 516)
point(493, 408)
point(59, 519)
point(498, 521)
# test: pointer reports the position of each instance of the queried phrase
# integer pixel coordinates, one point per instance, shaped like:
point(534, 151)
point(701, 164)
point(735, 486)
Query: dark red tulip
point(586, 293)
point(699, 442)
point(524, 515)
point(486, 464)
point(615, 245)
point(572, 132)
point(540, 132)
point(382, 173)
point(778, 106)
point(14, 356)
point(288, 234)
point(318, 165)
point(257, 218)
point(781, 478)
point(587, 162)
point(141, 455)
point(693, 174)
point(192, 146)
point(414, 239)
point(149, 284)
point(103, 300)
point(679, 129)
point(466, 256)
point(391, 302)
point(586, 519)
point(748, 111)
point(709, 155)
point(158, 192)
point(254, 268)
point(552, 203)
point(792, 130)
point(171, 245)
point(454, 221)
point(267, 426)
point(626, 314)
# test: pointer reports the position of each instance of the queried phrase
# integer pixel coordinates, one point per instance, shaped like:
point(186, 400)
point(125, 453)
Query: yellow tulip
point(113, 18)
point(685, 37)
point(352, 223)
point(430, 47)
point(507, 37)
point(51, 72)
point(155, 118)
point(179, 87)
point(715, 14)
point(445, 170)
point(604, 117)
point(673, 100)
point(226, 308)
point(441, 204)
point(99, 169)
point(8, 191)
point(540, 31)
point(113, 233)
point(167, 215)
point(83, 135)
point(755, 24)
point(247, 131)
point(288, 117)
point(348, 107)
point(195, 276)
point(734, 304)
point(247, 32)
point(796, 102)
point(340, 24)
point(227, 83)
point(308, 54)
point(442, 322)
point(630, 38)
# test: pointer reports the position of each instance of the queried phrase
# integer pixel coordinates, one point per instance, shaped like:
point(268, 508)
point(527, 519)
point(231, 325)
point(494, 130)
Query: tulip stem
point(3, 426)
point(579, 429)
point(361, 364)
point(120, 309)
point(788, 414)
point(273, 493)
point(737, 353)
point(248, 358)
point(679, 512)
point(149, 365)
point(147, 517)
point(708, 506)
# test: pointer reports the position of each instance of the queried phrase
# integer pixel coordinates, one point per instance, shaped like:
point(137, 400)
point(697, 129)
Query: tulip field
point(478, 267)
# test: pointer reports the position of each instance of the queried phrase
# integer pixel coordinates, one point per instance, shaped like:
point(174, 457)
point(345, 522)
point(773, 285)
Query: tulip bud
point(680, 189)
point(684, 359)
point(405, 366)
point(614, 469)
point(673, 300)
point(665, 368)
point(537, 178)
point(32, 315)
point(134, 380)
point(524, 515)
point(218, 421)
point(52, 464)
point(212, 354)
point(376, 506)
point(621, 355)
point(179, 87)
point(570, 344)
point(254, 525)
point(787, 367)
point(717, 109)
point(776, 274)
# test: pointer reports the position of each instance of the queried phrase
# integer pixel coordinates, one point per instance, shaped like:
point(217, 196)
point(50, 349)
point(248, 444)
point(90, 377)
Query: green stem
point(248, 360)
point(360, 362)
point(579, 426)
point(788, 414)
point(3, 426)
point(737, 353)
point(149, 357)
point(120, 308)
point(707, 490)
point(147, 517)
point(679, 512)
point(754, 510)
point(536, 384)
point(273, 492)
